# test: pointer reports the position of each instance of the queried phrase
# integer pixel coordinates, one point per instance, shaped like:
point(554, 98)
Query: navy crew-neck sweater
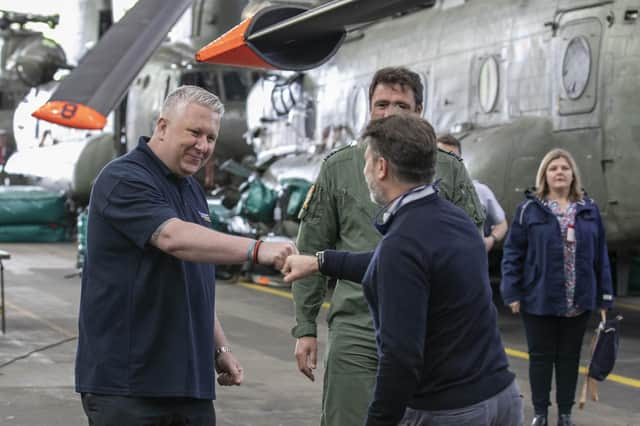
point(427, 285)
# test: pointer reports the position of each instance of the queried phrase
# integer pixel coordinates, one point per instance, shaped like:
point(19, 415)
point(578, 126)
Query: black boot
point(565, 420)
point(539, 420)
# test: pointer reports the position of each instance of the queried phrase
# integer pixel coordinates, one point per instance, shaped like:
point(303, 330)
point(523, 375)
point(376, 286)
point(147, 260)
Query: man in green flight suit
point(338, 214)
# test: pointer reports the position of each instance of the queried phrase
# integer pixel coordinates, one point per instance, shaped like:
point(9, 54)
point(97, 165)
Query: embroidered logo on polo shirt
point(205, 217)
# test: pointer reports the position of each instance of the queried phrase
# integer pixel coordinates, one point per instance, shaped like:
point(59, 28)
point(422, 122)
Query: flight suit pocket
point(352, 208)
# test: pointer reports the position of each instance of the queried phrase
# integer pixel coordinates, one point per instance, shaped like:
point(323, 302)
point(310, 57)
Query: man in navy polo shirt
point(149, 340)
point(441, 359)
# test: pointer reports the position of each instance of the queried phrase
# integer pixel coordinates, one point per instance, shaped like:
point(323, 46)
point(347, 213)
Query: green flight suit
point(338, 214)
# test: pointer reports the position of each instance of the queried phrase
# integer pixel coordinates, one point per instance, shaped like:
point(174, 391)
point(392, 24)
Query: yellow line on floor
point(626, 306)
point(511, 352)
point(612, 377)
point(48, 323)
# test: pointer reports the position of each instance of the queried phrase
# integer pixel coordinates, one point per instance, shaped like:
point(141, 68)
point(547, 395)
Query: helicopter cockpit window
point(576, 67)
point(488, 84)
point(234, 88)
point(286, 94)
point(205, 79)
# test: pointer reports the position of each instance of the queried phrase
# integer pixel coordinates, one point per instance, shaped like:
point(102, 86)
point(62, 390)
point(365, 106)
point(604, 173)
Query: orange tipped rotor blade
point(232, 49)
point(71, 115)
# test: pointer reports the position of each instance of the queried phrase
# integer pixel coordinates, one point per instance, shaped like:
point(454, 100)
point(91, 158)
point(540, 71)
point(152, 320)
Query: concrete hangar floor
point(38, 350)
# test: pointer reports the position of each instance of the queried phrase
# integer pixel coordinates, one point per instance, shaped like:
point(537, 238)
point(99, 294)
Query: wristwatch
point(222, 349)
point(320, 259)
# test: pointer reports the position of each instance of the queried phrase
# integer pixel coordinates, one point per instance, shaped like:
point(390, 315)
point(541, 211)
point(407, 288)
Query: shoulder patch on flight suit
point(307, 200)
point(453, 154)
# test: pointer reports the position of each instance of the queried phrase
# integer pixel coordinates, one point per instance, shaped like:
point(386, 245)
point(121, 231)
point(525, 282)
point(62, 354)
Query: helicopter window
point(286, 94)
point(576, 67)
point(234, 88)
point(359, 109)
point(488, 84)
point(280, 106)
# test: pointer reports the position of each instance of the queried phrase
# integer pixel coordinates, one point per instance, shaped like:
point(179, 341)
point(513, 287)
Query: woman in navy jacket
point(555, 272)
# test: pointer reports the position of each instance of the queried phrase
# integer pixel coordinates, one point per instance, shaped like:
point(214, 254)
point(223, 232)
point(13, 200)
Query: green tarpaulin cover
point(30, 205)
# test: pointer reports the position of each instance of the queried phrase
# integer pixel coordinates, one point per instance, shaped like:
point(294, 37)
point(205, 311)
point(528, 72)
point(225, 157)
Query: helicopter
point(510, 79)
point(124, 90)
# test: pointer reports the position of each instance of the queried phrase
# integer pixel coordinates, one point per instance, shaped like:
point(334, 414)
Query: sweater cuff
point(332, 265)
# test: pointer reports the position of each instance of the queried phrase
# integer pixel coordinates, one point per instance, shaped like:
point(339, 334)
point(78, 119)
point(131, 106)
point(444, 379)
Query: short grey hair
point(185, 95)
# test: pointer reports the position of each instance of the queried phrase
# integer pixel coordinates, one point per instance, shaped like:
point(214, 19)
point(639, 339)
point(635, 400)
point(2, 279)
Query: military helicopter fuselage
point(513, 80)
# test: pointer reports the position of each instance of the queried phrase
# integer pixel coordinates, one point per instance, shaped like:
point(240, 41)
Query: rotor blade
point(290, 38)
point(90, 92)
point(333, 16)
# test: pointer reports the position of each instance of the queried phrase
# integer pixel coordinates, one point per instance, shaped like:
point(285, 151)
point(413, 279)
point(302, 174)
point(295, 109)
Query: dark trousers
point(111, 410)
point(554, 341)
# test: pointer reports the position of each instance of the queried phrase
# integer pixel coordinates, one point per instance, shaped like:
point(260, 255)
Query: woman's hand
point(515, 307)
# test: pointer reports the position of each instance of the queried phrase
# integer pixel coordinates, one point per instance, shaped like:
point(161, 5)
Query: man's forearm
point(500, 230)
point(219, 337)
point(195, 243)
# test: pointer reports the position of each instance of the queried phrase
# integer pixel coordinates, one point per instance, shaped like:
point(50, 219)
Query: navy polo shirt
point(146, 318)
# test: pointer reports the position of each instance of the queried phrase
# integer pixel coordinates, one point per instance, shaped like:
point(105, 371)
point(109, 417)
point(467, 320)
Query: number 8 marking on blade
point(69, 110)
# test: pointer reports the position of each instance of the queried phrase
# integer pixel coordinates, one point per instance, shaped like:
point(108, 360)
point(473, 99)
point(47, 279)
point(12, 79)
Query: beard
point(375, 194)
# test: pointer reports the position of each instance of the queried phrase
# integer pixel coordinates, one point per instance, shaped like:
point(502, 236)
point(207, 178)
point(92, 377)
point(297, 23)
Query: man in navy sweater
point(441, 359)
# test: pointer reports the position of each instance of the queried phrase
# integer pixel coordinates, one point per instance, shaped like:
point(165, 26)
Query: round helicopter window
point(488, 84)
point(576, 67)
point(359, 110)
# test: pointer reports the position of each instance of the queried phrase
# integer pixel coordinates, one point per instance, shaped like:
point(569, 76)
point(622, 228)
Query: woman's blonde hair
point(542, 188)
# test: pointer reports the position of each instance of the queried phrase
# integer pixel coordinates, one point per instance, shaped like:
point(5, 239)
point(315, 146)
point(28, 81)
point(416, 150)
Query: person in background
point(337, 213)
point(495, 224)
point(555, 272)
point(149, 341)
point(441, 358)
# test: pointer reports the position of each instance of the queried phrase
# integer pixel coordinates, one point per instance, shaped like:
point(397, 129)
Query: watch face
point(576, 67)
